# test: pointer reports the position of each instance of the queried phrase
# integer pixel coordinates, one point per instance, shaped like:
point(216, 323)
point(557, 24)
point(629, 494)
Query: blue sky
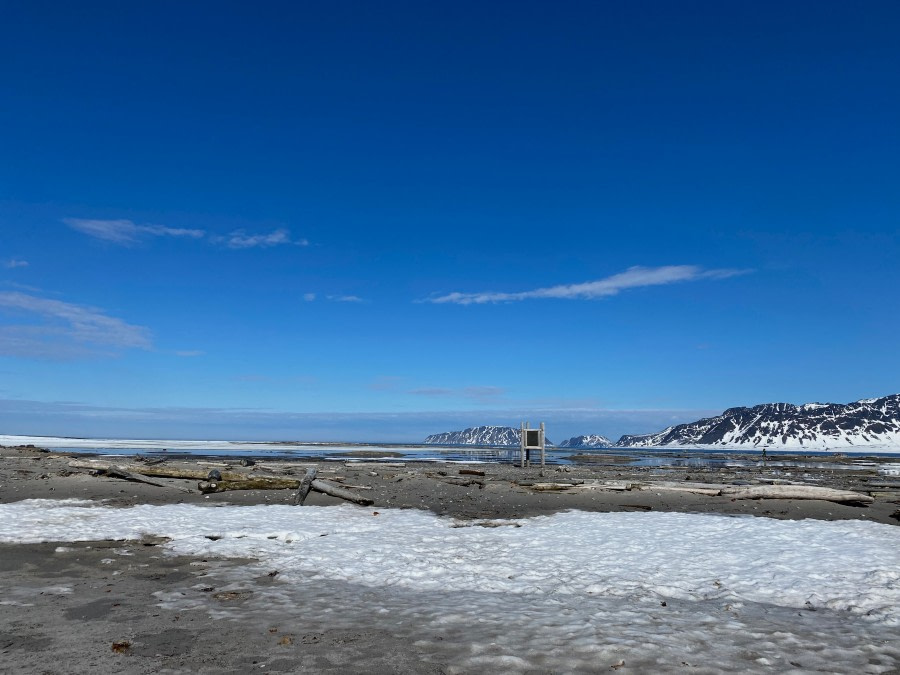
point(374, 221)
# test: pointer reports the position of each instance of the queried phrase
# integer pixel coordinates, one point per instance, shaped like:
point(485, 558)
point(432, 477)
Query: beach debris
point(335, 490)
point(286, 640)
point(247, 462)
point(214, 474)
point(231, 596)
point(119, 472)
point(248, 483)
point(154, 471)
point(618, 664)
point(305, 486)
point(797, 492)
point(781, 491)
point(471, 472)
point(375, 465)
point(121, 646)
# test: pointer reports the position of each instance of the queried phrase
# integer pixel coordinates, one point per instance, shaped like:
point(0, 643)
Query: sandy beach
point(134, 605)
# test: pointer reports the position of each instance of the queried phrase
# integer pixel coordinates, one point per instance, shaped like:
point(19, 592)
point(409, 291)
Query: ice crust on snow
point(591, 584)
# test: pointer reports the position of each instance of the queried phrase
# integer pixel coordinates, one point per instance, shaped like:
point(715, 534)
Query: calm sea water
point(641, 457)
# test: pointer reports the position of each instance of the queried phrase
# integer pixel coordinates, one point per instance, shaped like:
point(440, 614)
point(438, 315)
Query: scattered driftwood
point(118, 472)
point(305, 486)
point(576, 486)
point(335, 490)
point(460, 481)
point(471, 472)
point(797, 492)
point(709, 490)
point(375, 465)
point(706, 489)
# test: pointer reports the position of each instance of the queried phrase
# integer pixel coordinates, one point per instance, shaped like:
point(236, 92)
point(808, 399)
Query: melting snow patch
point(593, 585)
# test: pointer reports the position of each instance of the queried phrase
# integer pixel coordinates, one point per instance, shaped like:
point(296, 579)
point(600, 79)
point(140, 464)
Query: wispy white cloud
point(240, 239)
point(65, 329)
point(345, 298)
point(13, 263)
point(127, 233)
point(432, 391)
point(309, 297)
point(633, 277)
point(386, 383)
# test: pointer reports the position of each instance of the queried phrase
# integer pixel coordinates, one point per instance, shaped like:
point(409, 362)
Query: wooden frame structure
point(530, 439)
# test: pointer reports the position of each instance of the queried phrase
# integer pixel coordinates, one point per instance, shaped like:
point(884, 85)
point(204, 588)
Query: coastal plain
point(107, 605)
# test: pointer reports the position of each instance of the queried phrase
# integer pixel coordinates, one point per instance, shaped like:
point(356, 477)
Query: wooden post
point(543, 441)
point(522, 445)
point(305, 486)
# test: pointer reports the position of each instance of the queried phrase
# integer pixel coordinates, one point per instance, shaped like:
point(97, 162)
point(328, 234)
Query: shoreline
point(503, 491)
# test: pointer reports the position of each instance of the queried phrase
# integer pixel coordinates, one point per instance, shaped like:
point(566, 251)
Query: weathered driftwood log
point(253, 483)
point(119, 472)
point(329, 488)
point(706, 489)
point(155, 471)
point(113, 471)
point(577, 486)
point(471, 472)
point(374, 465)
point(797, 492)
point(305, 486)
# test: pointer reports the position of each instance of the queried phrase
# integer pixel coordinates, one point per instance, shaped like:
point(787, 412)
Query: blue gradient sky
point(369, 221)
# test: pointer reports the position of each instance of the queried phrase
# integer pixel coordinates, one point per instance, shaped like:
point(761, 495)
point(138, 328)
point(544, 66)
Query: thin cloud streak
point(63, 324)
point(633, 277)
point(239, 239)
point(127, 233)
point(13, 264)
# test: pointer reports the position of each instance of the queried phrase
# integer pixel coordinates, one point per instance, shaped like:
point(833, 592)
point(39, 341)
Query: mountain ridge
point(483, 435)
point(867, 422)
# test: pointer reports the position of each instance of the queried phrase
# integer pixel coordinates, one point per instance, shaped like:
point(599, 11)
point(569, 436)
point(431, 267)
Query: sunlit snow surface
point(574, 591)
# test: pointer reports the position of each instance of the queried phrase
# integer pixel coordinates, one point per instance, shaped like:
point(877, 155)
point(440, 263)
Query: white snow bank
point(841, 565)
point(559, 591)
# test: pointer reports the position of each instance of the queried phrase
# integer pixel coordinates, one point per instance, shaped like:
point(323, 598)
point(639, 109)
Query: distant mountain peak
point(589, 441)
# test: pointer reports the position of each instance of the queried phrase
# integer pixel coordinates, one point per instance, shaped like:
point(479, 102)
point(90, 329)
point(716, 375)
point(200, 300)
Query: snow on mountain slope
point(866, 423)
point(589, 441)
point(485, 435)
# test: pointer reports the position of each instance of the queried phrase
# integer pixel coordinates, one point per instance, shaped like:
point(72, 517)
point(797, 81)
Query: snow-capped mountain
point(590, 441)
point(870, 422)
point(478, 436)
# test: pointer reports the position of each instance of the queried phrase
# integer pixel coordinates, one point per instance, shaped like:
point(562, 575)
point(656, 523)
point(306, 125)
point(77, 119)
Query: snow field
point(571, 592)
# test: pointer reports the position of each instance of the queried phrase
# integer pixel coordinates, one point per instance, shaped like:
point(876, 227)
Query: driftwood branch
point(113, 471)
point(305, 486)
point(118, 472)
point(797, 492)
point(251, 483)
point(335, 490)
point(155, 471)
